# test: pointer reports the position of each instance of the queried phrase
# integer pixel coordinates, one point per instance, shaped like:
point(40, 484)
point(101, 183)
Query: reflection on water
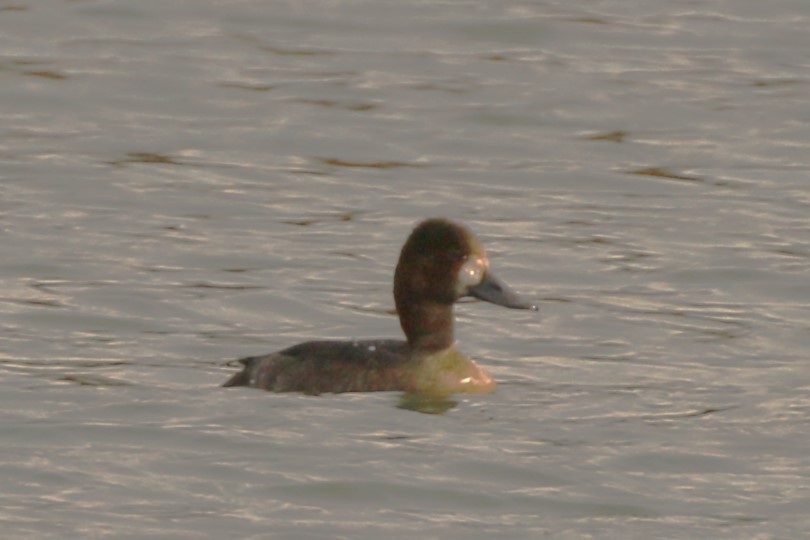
point(425, 403)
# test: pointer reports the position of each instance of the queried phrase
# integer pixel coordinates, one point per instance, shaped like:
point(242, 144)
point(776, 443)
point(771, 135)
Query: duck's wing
point(317, 367)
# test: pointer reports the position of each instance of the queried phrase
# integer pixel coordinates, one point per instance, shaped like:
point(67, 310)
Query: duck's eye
point(472, 272)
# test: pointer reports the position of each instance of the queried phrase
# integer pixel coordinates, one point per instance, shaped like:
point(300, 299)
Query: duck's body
point(440, 263)
point(376, 365)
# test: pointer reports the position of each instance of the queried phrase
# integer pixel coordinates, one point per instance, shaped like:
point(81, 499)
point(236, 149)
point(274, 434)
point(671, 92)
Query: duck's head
point(440, 263)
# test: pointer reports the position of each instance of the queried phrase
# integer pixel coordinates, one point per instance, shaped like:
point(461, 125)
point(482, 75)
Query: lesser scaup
point(440, 262)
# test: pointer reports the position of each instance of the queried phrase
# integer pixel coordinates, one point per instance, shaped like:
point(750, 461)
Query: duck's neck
point(427, 325)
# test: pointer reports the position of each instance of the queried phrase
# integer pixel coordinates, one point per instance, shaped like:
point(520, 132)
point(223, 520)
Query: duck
point(440, 263)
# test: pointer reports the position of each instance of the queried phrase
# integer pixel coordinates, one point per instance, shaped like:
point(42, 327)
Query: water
point(185, 183)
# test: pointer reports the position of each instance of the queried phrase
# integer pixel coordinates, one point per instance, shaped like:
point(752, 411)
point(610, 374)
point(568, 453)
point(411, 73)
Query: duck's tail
point(243, 377)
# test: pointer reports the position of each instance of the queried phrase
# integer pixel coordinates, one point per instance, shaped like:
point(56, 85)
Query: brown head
point(441, 262)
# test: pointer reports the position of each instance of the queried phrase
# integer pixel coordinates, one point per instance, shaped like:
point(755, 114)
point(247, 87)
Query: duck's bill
point(495, 291)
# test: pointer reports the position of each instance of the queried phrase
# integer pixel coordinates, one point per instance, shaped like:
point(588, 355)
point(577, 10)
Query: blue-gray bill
point(493, 290)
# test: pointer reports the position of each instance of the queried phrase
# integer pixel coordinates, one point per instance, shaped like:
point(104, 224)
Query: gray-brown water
point(183, 183)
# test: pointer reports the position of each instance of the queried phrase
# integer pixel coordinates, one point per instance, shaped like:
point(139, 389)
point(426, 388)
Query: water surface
point(185, 183)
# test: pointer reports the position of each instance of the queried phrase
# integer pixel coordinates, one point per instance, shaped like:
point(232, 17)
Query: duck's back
point(317, 367)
